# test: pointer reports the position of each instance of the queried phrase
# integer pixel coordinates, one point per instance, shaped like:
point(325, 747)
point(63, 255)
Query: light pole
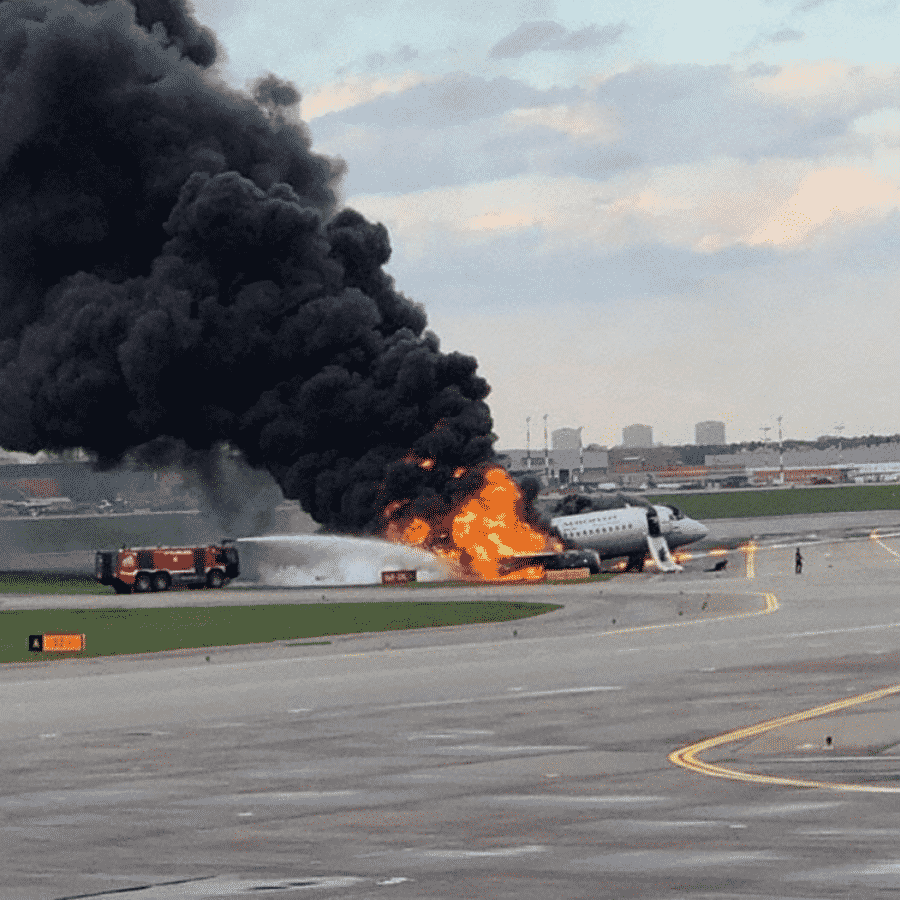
point(765, 429)
point(546, 452)
point(580, 454)
point(780, 454)
point(528, 442)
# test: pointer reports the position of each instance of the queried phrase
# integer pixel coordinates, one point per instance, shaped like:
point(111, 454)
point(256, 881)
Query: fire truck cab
point(144, 569)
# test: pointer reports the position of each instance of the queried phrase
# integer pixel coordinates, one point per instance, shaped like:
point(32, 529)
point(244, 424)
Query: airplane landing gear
point(635, 563)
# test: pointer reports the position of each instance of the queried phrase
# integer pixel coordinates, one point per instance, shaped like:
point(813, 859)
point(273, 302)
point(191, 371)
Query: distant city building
point(816, 465)
point(565, 439)
point(637, 436)
point(709, 433)
point(810, 457)
point(630, 465)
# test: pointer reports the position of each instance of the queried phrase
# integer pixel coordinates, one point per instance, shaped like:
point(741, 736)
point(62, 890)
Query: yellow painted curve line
point(687, 756)
point(770, 607)
point(876, 537)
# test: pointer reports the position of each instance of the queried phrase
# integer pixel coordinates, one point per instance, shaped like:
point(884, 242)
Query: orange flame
point(482, 535)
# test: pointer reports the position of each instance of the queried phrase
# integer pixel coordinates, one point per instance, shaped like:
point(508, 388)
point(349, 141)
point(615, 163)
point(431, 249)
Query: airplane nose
point(702, 530)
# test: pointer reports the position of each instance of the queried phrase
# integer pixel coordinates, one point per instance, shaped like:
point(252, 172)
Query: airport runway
point(479, 764)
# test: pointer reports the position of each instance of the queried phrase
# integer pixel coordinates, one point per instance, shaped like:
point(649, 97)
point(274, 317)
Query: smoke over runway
point(299, 560)
point(176, 274)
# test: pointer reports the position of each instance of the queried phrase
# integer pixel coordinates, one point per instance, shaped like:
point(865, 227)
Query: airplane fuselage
point(624, 531)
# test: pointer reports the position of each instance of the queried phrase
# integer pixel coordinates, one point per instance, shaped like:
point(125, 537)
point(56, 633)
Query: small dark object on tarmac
point(719, 566)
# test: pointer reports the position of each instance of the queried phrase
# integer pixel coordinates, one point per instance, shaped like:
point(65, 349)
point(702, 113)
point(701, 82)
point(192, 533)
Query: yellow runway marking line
point(876, 538)
point(750, 550)
point(770, 607)
point(687, 756)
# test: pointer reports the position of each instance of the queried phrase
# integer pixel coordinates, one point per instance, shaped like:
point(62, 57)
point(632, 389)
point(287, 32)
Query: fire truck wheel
point(160, 581)
point(215, 579)
point(121, 588)
point(142, 583)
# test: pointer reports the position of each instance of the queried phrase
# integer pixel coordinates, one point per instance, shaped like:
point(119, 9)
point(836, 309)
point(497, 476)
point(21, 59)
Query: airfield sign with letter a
point(56, 642)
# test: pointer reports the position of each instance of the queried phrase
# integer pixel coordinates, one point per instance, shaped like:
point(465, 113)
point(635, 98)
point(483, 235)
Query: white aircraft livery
point(633, 531)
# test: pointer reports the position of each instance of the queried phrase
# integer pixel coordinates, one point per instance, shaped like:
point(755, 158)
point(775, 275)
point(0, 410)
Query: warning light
point(56, 642)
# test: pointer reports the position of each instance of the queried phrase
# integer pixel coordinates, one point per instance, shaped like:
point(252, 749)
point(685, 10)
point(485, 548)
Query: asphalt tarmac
point(482, 763)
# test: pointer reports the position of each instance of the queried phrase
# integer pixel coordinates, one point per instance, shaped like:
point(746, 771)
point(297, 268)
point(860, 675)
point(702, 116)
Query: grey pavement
point(836, 525)
point(475, 763)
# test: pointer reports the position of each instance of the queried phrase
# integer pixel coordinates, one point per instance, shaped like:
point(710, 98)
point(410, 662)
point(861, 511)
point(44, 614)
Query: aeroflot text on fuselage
point(627, 531)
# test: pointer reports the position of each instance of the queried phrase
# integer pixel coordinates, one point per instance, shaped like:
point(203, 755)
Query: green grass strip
point(49, 583)
point(119, 631)
point(784, 501)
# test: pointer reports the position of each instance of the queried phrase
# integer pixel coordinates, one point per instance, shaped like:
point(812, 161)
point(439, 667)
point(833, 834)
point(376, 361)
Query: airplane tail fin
point(661, 555)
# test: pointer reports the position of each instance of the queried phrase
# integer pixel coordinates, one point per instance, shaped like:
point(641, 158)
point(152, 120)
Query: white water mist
point(295, 560)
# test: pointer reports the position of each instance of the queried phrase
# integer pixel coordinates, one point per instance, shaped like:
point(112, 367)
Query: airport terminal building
point(661, 467)
point(562, 465)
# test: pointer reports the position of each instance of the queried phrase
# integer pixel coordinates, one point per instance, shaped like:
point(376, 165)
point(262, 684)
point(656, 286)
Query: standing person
point(798, 562)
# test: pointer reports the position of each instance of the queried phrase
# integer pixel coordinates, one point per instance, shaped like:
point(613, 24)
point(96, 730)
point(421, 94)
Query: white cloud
point(584, 123)
point(806, 79)
point(548, 35)
point(829, 195)
point(702, 207)
point(355, 90)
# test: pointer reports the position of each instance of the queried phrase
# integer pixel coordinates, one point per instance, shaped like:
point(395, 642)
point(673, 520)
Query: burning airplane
point(480, 524)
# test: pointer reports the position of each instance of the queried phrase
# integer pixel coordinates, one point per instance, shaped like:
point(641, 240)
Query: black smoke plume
point(174, 268)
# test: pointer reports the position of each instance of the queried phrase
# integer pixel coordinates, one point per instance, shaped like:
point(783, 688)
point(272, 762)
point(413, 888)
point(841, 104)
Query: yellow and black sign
point(56, 642)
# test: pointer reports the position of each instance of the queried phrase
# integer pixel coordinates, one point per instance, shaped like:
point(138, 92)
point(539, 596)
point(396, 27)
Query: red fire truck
point(143, 569)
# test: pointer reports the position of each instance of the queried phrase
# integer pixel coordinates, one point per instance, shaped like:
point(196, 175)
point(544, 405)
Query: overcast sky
point(635, 212)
